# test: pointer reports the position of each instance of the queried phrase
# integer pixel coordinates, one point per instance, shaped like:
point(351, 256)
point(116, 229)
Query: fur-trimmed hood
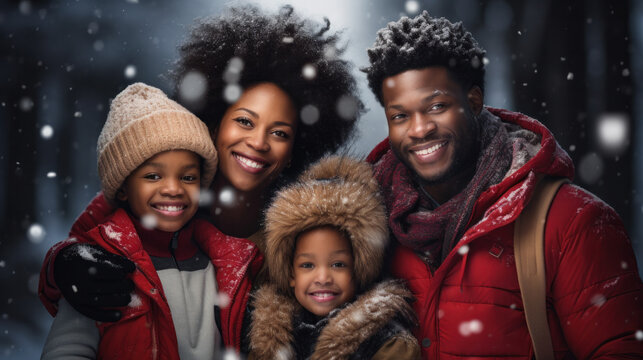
point(272, 322)
point(336, 191)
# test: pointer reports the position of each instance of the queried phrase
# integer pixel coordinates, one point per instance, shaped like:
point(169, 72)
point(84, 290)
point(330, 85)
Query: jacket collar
point(271, 329)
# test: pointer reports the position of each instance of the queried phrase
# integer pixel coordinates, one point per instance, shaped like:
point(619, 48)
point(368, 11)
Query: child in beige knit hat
point(153, 155)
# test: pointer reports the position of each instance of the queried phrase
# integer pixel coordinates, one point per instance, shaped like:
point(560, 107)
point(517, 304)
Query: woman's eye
point(243, 121)
point(281, 134)
point(152, 176)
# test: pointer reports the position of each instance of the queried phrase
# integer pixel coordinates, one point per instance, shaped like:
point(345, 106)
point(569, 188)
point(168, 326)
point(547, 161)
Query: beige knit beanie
point(141, 123)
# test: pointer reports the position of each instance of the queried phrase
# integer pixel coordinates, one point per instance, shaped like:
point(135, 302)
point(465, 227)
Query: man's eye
point(438, 106)
point(398, 117)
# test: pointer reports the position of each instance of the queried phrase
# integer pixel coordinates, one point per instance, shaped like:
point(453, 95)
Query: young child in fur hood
point(326, 235)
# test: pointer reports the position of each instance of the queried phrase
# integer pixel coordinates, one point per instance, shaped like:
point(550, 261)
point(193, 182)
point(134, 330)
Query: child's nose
point(172, 187)
point(323, 276)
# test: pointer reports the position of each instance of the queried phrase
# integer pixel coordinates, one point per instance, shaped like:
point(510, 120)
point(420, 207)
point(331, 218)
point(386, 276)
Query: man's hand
point(94, 281)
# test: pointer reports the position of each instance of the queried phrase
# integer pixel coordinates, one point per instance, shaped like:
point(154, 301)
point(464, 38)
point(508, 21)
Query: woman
point(276, 98)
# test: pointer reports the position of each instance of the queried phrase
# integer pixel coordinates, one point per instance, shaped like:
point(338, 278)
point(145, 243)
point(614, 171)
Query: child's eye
point(339, 264)
point(152, 176)
point(189, 178)
point(306, 265)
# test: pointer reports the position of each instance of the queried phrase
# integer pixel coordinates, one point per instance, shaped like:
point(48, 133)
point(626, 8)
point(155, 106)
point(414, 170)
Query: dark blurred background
point(574, 65)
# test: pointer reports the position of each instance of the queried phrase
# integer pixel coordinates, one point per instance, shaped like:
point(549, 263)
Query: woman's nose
point(257, 140)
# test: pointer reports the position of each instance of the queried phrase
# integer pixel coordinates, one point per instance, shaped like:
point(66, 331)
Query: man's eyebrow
point(427, 99)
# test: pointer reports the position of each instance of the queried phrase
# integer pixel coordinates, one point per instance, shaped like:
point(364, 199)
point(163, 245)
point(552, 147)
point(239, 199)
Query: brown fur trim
point(271, 328)
point(363, 318)
point(337, 191)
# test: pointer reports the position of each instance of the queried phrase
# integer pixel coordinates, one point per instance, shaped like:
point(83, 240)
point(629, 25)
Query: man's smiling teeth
point(248, 162)
point(430, 150)
point(169, 207)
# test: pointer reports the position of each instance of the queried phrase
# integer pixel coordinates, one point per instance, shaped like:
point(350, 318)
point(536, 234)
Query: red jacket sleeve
point(95, 213)
point(595, 286)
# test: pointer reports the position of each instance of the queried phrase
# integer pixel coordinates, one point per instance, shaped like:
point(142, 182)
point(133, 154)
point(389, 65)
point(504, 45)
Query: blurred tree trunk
point(557, 82)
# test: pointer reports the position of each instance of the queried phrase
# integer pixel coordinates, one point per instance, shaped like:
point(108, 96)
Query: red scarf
point(413, 218)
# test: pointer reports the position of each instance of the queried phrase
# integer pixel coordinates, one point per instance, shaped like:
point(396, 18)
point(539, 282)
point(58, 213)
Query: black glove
point(93, 280)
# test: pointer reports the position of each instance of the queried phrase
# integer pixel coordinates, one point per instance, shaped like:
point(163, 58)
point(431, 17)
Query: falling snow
point(309, 71)
point(590, 168)
point(36, 233)
point(412, 7)
point(613, 130)
point(130, 71)
point(206, 197)
point(598, 300)
point(193, 86)
point(135, 301)
point(227, 196)
point(309, 114)
point(231, 354)
point(462, 250)
point(347, 107)
point(26, 104)
point(149, 221)
point(46, 132)
point(468, 328)
point(223, 300)
point(232, 93)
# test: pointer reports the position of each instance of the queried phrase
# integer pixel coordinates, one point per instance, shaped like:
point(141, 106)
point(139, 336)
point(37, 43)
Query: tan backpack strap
point(529, 251)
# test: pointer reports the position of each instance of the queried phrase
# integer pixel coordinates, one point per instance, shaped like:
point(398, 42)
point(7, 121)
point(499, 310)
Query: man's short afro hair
point(245, 46)
point(423, 41)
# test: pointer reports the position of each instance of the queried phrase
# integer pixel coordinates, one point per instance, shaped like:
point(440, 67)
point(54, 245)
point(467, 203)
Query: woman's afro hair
point(245, 46)
point(421, 42)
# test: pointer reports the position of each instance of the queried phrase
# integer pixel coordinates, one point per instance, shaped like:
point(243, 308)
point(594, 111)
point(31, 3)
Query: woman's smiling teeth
point(430, 150)
point(248, 162)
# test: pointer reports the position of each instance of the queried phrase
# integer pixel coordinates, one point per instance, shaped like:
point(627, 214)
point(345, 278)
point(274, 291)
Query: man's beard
point(465, 154)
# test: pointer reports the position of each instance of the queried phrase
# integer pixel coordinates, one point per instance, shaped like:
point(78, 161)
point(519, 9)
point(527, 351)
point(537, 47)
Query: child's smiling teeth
point(248, 162)
point(323, 295)
point(170, 207)
point(431, 149)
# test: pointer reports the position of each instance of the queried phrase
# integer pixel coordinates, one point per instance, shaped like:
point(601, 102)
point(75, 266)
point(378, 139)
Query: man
point(455, 176)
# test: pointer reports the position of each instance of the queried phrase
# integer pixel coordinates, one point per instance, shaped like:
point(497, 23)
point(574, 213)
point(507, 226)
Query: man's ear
point(121, 195)
point(475, 98)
